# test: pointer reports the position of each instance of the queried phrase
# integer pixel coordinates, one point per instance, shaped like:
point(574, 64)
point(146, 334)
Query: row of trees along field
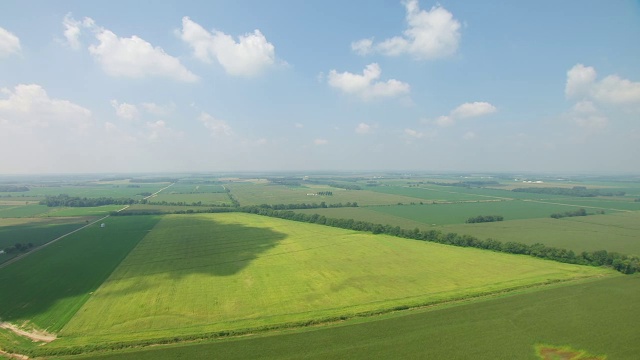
point(578, 191)
point(484, 218)
point(18, 247)
point(627, 264)
point(75, 201)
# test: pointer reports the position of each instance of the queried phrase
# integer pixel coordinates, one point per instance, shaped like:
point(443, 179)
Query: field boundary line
point(579, 206)
point(455, 192)
point(17, 258)
point(155, 193)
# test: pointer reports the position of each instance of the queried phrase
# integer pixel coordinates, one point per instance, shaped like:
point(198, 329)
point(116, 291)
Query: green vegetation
point(484, 218)
point(46, 288)
point(277, 272)
point(579, 212)
point(76, 201)
point(502, 328)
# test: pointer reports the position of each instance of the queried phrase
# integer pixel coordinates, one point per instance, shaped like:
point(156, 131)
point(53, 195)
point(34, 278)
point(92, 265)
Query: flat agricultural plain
point(195, 274)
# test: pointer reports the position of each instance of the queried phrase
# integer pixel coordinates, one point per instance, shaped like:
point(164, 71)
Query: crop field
point(36, 231)
point(46, 288)
point(30, 210)
point(458, 213)
point(367, 214)
point(209, 198)
point(617, 232)
point(187, 188)
point(275, 271)
point(93, 190)
point(256, 194)
point(570, 316)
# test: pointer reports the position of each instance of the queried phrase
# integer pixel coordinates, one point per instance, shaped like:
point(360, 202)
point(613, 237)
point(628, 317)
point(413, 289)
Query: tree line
point(484, 218)
point(76, 201)
point(579, 212)
point(19, 247)
point(623, 263)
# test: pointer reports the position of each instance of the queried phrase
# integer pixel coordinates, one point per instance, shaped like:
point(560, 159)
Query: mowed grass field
point(619, 232)
point(599, 317)
point(46, 288)
point(202, 273)
point(210, 198)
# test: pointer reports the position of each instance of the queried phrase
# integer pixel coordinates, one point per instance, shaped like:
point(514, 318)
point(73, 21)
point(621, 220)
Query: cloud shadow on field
point(184, 245)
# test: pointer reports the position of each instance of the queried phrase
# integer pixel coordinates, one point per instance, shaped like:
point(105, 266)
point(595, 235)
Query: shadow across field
point(182, 245)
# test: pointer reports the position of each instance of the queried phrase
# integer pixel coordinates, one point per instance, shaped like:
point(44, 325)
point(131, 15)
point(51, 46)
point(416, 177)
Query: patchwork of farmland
point(148, 279)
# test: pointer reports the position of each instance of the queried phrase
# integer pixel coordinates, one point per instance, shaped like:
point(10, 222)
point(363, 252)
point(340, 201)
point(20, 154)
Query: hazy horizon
point(290, 86)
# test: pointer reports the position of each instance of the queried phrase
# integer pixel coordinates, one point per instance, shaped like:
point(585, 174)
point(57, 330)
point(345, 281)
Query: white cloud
point(216, 126)
point(159, 130)
point(72, 31)
point(473, 109)
point(249, 56)
point(429, 35)
point(135, 58)
point(464, 111)
point(320, 142)
point(362, 47)
point(445, 121)
point(413, 133)
point(158, 110)
point(29, 106)
point(298, 125)
point(125, 111)
point(363, 128)
point(582, 83)
point(9, 43)
point(586, 115)
point(365, 85)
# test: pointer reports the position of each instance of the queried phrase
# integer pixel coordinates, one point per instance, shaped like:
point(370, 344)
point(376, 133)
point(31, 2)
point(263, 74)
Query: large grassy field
point(210, 198)
point(599, 317)
point(618, 232)
point(201, 273)
point(46, 288)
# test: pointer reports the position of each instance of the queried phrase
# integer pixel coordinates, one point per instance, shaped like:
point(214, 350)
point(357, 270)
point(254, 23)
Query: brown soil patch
point(34, 335)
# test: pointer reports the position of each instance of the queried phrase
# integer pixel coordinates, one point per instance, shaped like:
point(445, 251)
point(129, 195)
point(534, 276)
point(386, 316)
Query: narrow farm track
point(18, 258)
point(157, 192)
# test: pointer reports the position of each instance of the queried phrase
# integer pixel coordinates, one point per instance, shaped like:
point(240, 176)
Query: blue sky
point(141, 86)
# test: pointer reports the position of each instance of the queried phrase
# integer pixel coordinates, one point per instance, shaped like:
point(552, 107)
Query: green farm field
point(458, 213)
point(617, 232)
point(259, 193)
point(46, 288)
point(276, 271)
point(35, 230)
point(92, 190)
point(210, 198)
point(502, 328)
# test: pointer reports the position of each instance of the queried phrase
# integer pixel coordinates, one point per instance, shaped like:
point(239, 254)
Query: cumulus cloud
point(218, 128)
point(248, 56)
point(124, 110)
point(136, 58)
point(465, 111)
point(320, 142)
point(366, 85)
point(158, 110)
point(582, 84)
point(414, 134)
point(586, 115)
point(9, 43)
point(73, 29)
point(159, 129)
point(363, 128)
point(127, 57)
point(29, 106)
point(429, 35)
